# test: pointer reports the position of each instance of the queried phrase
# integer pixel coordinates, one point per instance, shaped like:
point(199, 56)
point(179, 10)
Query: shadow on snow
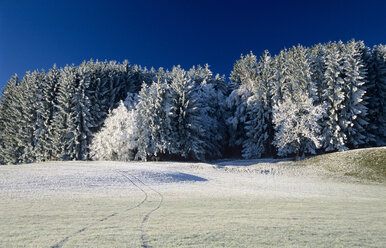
point(171, 177)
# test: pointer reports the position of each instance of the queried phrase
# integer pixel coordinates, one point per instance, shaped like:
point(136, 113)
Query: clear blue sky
point(37, 34)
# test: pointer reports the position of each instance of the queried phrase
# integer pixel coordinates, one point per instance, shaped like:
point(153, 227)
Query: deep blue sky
point(37, 34)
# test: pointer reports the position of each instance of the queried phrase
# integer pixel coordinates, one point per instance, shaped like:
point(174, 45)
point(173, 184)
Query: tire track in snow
point(63, 241)
point(144, 236)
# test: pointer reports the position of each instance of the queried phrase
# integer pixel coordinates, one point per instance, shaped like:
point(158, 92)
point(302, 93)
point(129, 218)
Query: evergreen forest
point(302, 101)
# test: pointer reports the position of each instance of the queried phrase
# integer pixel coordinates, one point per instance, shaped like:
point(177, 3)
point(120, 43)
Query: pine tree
point(185, 118)
point(9, 120)
point(80, 117)
point(97, 92)
point(317, 68)
point(334, 96)
point(296, 73)
point(196, 115)
point(41, 147)
point(242, 78)
point(279, 66)
point(138, 76)
point(153, 110)
point(237, 107)
point(209, 94)
point(28, 121)
point(62, 117)
point(288, 83)
point(51, 92)
point(292, 80)
point(354, 113)
point(254, 144)
point(258, 127)
point(376, 95)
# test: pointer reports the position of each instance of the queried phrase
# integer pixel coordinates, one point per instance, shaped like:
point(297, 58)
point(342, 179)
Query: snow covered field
point(172, 204)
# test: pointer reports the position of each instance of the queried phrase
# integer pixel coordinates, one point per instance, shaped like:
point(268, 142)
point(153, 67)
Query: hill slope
point(365, 164)
point(239, 203)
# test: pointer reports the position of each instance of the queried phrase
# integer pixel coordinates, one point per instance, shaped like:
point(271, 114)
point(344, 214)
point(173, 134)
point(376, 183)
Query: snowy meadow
point(86, 151)
point(231, 203)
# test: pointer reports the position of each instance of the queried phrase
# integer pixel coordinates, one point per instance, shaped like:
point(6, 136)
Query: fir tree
point(153, 115)
point(293, 80)
point(80, 117)
point(258, 127)
point(9, 121)
point(243, 77)
point(296, 73)
point(51, 92)
point(317, 68)
point(334, 96)
point(62, 137)
point(376, 95)
point(196, 115)
point(209, 93)
point(28, 120)
point(354, 113)
point(185, 118)
point(279, 66)
point(43, 101)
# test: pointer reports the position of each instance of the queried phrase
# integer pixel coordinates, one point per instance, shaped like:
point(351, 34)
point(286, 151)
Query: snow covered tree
point(376, 95)
point(137, 76)
point(62, 117)
point(117, 140)
point(40, 144)
point(30, 94)
point(153, 115)
point(20, 132)
point(48, 89)
point(255, 142)
point(354, 114)
point(209, 93)
point(292, 79)
point(80, 118)
point(51, 93)
point(244, 69)
point(242, 78)
point(99, 92)
point(117, 82)
point(317, 68)
point(279, 78)
point(296, 73)
point(296, 124)
point(194, 114)
point(366, 59)
point(258, 126)
point(334, 96)
point(86, 94)
point(185, 118)
point(237, 107)
point(9, 121)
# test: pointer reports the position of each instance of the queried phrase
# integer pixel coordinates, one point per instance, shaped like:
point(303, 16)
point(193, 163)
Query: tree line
point(328, 97)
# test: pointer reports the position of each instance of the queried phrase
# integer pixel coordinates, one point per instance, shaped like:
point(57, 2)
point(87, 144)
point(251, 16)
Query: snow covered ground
point(230, 203)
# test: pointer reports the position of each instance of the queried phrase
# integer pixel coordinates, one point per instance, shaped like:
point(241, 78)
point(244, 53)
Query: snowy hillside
point(231, 203)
